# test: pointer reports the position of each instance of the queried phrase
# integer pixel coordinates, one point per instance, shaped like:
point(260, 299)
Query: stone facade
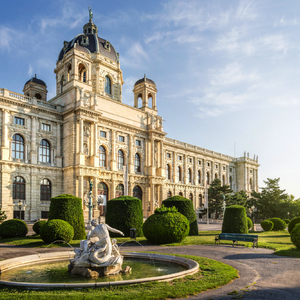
point(86, 116)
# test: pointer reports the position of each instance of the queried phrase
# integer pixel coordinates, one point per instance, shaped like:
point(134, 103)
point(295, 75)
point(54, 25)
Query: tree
point(270, 200)
point(2, 216)
point(238, 198)
point(215, 196)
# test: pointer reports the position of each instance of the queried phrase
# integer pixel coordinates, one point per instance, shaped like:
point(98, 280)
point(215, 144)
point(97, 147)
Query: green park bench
point(236, 237)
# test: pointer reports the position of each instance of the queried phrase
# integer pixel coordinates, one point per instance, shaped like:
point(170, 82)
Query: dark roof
point(95, 43)
point(36, 80)
point(145, 79)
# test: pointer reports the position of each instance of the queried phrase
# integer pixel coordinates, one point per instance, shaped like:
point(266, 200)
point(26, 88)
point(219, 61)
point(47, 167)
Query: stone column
point(94, 146)
point(33, 153)
point(80, 189)
point(113, 162)
point(58, 147)
point(185, 174)
point(95, 198)
point(26, 153)
point(80, 157)
point(130, 156)
point(195, 171)
point(204, 172)
point(81, 135)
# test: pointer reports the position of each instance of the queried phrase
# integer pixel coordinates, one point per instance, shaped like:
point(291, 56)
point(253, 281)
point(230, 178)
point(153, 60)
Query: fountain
point(97, 263)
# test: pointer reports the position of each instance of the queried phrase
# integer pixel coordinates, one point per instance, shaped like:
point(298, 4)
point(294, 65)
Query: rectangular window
point(208, 164)
point(190, 160)
point(199, 162)
point(103, 134)
point(224, 168)
point(216, 166)
point(230, 169)
point(168, 155)
point(179, 157)
point(44, 214)
point(19, 121)
point(121, 138)
point(46, 127)
point(138, 143)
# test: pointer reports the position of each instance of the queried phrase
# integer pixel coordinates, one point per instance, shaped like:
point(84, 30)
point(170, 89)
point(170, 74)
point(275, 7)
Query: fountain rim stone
point(21, 261)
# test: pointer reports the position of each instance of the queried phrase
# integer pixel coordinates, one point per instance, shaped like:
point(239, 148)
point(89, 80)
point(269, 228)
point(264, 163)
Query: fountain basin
point(190, 265)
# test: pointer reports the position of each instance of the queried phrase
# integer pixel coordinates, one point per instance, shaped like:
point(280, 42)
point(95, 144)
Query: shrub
point(166, 227)
point(292, 223)
point(13, 228)
point(69, 208)
point(249, 223)
point(37, 226)
point(124, 213)
point(295, 235)
point(185, 207)
point(54, 230)
point(267, 225)
point(278, 224)
point(235, 220)
point(287, 221)
point(164, 209)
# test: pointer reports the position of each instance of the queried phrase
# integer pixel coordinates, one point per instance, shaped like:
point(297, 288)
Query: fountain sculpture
point(98, 255)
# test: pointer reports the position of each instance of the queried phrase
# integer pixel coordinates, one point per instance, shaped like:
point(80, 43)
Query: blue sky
point(227, 72)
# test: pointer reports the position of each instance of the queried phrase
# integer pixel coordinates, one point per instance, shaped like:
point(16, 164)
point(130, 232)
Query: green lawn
point(279, 241)
point(212, 274)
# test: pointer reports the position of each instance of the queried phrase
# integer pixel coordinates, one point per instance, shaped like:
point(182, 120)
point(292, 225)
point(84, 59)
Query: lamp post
point(288, 215)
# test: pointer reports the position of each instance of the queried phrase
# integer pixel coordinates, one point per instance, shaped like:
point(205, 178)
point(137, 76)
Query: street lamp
point(288, 215)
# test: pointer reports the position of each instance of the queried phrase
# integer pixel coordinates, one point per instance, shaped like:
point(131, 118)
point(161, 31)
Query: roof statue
point(91, 14)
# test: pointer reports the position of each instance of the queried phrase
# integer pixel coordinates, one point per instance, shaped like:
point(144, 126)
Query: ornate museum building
point(51, 147)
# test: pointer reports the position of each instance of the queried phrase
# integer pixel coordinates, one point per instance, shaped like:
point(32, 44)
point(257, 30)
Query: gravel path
point(263, 275)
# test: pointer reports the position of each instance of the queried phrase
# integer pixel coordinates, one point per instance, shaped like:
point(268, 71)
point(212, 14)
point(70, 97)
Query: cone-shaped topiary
point(249, 223)
point(292, 224)
point(166, 227)
point(278, 224)
point(235, 220)
point(13, 228)
point(295, 235)
point(124, 213)
point(69, 208)
point(185, 207)
point(56, 230)
point(267, 225)
point(37, 226)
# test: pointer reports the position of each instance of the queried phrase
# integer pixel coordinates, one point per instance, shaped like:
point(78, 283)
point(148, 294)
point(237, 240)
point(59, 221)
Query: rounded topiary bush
point(292, 223)
point(267, 225)
point(249, 223)
point(295, 235)
point(37, 226)
point(55, 230)
point(185, 207)
point(278, 224)
point(69, 208)
point(287, 221)
point(124, 213)
point(13, 228)
point(235, 220)
point(166, 227)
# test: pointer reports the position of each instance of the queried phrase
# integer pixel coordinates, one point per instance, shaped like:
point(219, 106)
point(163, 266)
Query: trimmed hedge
point(267, 225)
point(124, 213)
point(166, 227)
point(235, 220)
point(287, 221)
point(37, 226)
point(292, 224)
point(278, 224)
point(295, 235)
point(13, 228)
point(55, 230)
point(249, 223)
point(185, 207)
point(69, 208)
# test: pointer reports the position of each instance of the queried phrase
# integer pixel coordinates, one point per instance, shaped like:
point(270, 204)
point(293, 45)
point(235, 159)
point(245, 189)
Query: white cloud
point(30, 70)
point(135, 56)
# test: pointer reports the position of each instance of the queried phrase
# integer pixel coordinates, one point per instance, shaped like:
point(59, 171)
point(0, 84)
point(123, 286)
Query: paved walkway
point(263, 275)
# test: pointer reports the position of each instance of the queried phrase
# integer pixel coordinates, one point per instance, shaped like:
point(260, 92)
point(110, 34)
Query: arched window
point(168, 171)
point(61, 83)
point(102, 197)
point(230, 182)
point(119, 190)
point(169, 194)
point(190, 176)
point(102, 162)
point(18, 146)
point(120, 159)
point(82, 72)
point(137, 163)
point(107, 85)
point(199, 177)
point(191, 196)
point(45, 151)
point(137, 192)
point(201, 200)
point(207, 178)
point(180, 194)
point(45, 190)
point(150, 101)
point(140, 101)
point(69, 71)
point(38, 96)
point(223, 180)
point(179, 174)
point(19, 188)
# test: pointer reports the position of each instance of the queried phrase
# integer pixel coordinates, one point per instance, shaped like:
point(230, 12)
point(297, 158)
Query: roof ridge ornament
point(90, 15)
